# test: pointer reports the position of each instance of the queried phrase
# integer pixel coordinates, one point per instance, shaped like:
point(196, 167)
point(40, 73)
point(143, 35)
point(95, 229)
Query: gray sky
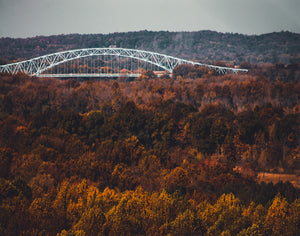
point(28, 18)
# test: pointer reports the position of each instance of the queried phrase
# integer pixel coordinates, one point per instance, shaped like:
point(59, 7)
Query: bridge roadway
point(93, 75)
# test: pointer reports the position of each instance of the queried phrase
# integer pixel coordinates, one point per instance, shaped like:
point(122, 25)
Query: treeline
point(152, 156)
point(205, 46)
point(79, 208)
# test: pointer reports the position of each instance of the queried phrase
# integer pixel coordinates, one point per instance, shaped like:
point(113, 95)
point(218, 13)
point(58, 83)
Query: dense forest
point(204, 46)
point(152, 156)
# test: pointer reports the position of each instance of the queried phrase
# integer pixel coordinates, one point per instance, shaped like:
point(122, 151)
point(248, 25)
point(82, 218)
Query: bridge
point(103, 62)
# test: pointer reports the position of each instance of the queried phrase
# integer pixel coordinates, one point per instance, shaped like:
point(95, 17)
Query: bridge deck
point(93, 75)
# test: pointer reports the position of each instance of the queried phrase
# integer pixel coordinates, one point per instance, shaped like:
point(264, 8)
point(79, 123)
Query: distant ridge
point(205, 46)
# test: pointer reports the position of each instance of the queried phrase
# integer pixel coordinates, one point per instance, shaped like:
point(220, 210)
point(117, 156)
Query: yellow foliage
point(92, 194)
point(277, 217)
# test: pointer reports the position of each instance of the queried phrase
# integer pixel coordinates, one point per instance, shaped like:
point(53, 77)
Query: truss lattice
point(38, 65)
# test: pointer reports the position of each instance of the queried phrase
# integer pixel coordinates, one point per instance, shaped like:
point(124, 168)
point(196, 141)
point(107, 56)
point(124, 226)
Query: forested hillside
point(205, 46)
point(153, 156)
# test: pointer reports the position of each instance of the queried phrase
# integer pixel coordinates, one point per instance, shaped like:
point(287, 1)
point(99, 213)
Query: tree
point(132, 214)
point(6, 157)
point(91, 221)
point(277, 216)
point(245, 65)
point(149, 74)
point(224, 215)
point(177, 180)
point(42, 215)
point(123, 177)
point(294, 217)
point(186, 223)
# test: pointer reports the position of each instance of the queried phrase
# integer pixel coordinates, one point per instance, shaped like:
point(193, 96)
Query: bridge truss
point(37, 66)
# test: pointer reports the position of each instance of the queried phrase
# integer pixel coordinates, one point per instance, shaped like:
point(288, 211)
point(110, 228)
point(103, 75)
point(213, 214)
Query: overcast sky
point(28, 18)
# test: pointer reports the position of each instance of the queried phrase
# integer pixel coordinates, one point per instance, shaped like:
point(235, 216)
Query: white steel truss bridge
point(43, 66)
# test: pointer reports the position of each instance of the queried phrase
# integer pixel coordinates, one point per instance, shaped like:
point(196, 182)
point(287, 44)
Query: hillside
point(205, 46)
point(154, 156)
